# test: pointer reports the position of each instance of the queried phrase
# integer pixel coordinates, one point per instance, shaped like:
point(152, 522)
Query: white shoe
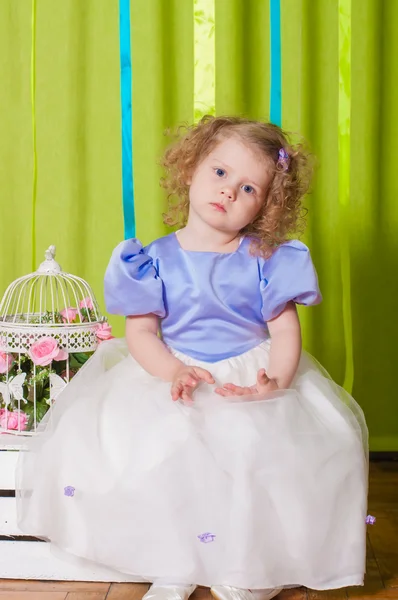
point(227, 592)
point(169, 592)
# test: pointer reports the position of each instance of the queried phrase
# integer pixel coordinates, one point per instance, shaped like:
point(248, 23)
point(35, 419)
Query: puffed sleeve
point(288, 274)
point(132, 284)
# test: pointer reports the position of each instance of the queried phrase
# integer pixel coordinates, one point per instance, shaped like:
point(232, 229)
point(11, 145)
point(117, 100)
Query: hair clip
point(283, 159)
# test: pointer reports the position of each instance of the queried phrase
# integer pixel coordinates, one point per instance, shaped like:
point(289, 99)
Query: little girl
point(206, 448)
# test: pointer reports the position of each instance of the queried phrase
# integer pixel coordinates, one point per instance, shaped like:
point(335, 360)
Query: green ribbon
point(34, 140)
point(344, 169)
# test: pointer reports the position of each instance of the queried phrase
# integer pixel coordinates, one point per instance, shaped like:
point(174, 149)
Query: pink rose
point(16, 419)
point(69, 314)
point(62, 355)
point(104, 332)
point(46, 350)
point(6, 362)
point(87, 303)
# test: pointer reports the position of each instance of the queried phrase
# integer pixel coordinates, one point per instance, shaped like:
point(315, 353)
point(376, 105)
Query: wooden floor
point(382, 563)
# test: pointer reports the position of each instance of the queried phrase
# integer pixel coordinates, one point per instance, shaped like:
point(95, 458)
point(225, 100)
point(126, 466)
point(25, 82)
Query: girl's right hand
point(186, 380)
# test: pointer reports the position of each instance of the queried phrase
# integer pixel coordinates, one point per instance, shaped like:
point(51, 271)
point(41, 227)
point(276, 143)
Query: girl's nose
point(229, 193)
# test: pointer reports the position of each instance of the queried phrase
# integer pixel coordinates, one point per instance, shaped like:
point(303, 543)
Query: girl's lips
point(218, 207)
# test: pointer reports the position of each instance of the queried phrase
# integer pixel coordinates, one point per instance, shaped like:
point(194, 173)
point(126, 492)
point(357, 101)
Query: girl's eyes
point(248, 189)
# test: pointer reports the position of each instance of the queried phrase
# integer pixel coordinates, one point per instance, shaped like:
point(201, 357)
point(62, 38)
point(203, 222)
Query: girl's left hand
point(263, 385)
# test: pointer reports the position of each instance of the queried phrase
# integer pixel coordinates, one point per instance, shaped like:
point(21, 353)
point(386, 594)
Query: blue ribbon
point(276, 68)
point(127, 129)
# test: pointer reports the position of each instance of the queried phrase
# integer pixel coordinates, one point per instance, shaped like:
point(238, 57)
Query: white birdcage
point(50, 324)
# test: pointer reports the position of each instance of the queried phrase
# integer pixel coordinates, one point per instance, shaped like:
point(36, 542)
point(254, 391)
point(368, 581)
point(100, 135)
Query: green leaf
point(28, 410)
point(41, 409)
point(80, 357)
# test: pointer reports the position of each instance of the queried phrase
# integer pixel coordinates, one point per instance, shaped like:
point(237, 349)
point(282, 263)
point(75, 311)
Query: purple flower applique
point(370, 520)
point(206, 538)
point(69, 491)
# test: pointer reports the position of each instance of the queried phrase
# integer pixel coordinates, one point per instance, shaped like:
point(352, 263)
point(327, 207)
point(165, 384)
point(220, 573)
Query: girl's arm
point(153, 356)
point(285, 351)
point(148, 349)
point(285, 355)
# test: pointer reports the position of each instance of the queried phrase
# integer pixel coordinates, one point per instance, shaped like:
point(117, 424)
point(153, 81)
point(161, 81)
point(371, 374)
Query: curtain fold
point(374, 214)
point(79, 195)
point(242, 57)
point(163, 91)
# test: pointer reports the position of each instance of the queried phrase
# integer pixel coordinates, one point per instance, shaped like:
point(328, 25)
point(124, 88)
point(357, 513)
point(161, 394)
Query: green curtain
point(78, 136)
point(173, 56)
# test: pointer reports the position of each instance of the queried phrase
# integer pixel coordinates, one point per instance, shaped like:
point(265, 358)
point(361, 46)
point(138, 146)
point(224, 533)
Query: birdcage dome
point(49, 301)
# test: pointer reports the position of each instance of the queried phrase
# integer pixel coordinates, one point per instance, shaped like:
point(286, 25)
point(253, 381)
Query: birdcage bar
point(60, 284)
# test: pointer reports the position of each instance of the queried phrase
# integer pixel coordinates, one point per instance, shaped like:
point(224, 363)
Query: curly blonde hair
point(282, 213)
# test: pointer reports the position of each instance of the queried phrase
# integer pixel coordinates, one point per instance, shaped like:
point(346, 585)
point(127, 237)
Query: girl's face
point(229, 187)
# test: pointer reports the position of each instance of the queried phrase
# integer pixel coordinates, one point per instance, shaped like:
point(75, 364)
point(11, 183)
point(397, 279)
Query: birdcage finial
point(50, 265)
point(50, 252)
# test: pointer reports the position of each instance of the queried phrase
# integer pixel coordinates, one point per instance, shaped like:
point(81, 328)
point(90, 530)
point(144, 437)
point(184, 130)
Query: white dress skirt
point(253, 493)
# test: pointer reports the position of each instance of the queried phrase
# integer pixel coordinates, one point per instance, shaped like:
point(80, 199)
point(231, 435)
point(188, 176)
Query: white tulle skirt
point(253, 494)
